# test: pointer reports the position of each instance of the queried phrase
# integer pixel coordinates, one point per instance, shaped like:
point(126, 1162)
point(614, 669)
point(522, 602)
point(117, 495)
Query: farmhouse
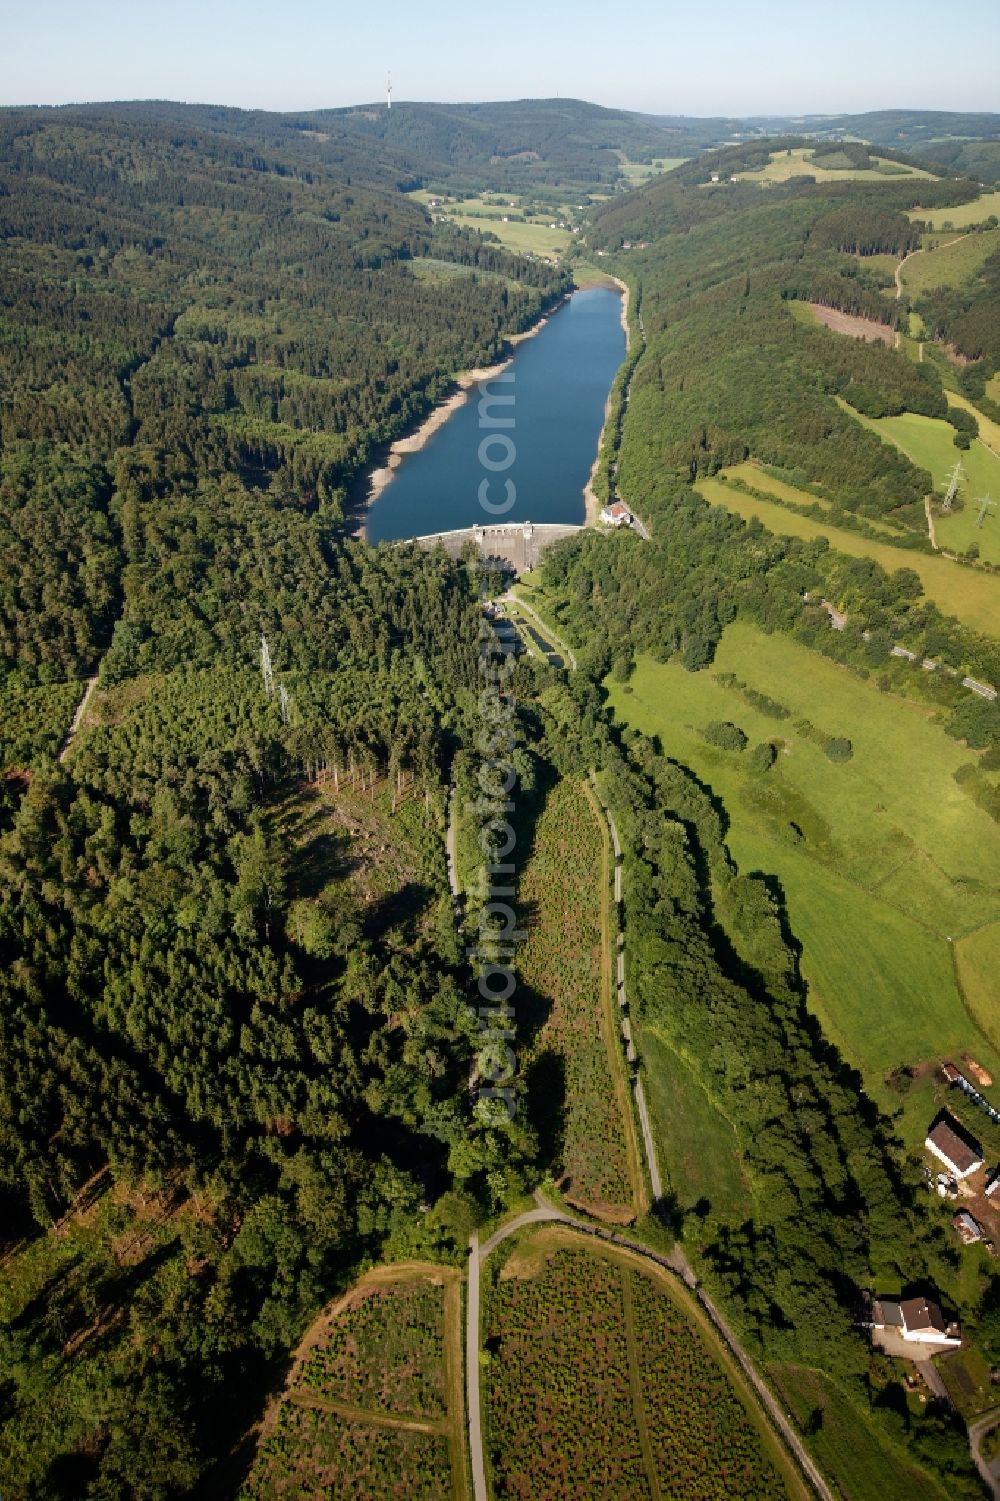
point(616, 514)
point(918, 1321)
point(992, 1183)
point(949, 1143)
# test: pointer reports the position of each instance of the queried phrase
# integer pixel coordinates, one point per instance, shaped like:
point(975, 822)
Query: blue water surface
point(562, 377)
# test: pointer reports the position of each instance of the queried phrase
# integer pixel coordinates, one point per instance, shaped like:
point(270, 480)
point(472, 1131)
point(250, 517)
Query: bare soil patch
point(855, 328)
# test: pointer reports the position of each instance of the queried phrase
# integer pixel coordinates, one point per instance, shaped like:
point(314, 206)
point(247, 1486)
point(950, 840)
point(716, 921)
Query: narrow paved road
point(473, 1396)
point(977, 1432)
point(81, 710)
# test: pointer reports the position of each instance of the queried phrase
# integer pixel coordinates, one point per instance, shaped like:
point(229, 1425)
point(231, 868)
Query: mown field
point(373, 1405)
point(573, 1061)
point(698, 1150)
point(638, 173)
point(972, 596)
point(949, 265)
point(860, 1462)
point(532, 236)
point(604, 1381)
point(928, 441)
point(962, 216)
point(798, 162)
point(881, 859)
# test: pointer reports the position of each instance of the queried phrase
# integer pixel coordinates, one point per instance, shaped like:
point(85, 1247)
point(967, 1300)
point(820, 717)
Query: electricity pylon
point(265, 667)
point(954, 480)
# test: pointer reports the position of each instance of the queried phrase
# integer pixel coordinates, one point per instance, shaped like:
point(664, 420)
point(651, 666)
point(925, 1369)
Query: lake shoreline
point(372, 482)
point(591, 502)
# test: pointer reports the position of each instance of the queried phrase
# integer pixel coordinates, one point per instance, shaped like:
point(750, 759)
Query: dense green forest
point(235, 1044)
point(720, 274)
point(234, 1025)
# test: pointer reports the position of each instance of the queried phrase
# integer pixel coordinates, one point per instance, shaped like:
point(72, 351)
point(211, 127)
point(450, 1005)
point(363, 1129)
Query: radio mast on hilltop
point(388, 91)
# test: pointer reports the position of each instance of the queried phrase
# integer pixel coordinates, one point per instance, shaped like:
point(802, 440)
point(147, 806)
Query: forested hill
point(186, 312)
point(234, 1042)
point(524, 142)
point(736, 366)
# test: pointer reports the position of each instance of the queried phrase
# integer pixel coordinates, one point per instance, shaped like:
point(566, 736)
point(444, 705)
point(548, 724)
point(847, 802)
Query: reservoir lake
point(560, 385)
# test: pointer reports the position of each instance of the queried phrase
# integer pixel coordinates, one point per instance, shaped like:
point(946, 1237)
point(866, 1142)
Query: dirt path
point(81, 710)
point(451, 844)
point(921, 251)
point(366, 1415)
point(932, 534)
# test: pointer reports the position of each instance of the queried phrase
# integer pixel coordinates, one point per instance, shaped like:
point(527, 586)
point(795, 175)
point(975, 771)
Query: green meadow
point(883, 860)
point(504, 218)
point(972, 596)
point(638, 173)
point(928, 442)
point(951, 265)
point(698, 1147)
point(962, 216)
point(852, 1452)
point(798, 162)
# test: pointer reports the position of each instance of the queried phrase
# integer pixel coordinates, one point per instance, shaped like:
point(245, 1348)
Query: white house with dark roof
point(947, 1141)
point(917, 1321)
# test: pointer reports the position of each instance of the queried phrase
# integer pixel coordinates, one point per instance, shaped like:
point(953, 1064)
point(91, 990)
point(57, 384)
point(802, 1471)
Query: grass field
point(604, 1380)
point(977, 963)
point(696, 1146)
point(962, 216)
point(758, 479)
point(533, 236)
point(798, 163)
point(973, 596)
point(637, 173)
point(966, 1374)
point(928, 441)
point(859, 1461)
point(573, 1063)
point(989, 431)
point(950, 266)
point(373, 1405)
point(880, 859)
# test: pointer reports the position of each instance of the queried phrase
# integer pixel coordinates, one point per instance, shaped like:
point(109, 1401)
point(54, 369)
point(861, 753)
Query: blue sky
point(732, 56)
